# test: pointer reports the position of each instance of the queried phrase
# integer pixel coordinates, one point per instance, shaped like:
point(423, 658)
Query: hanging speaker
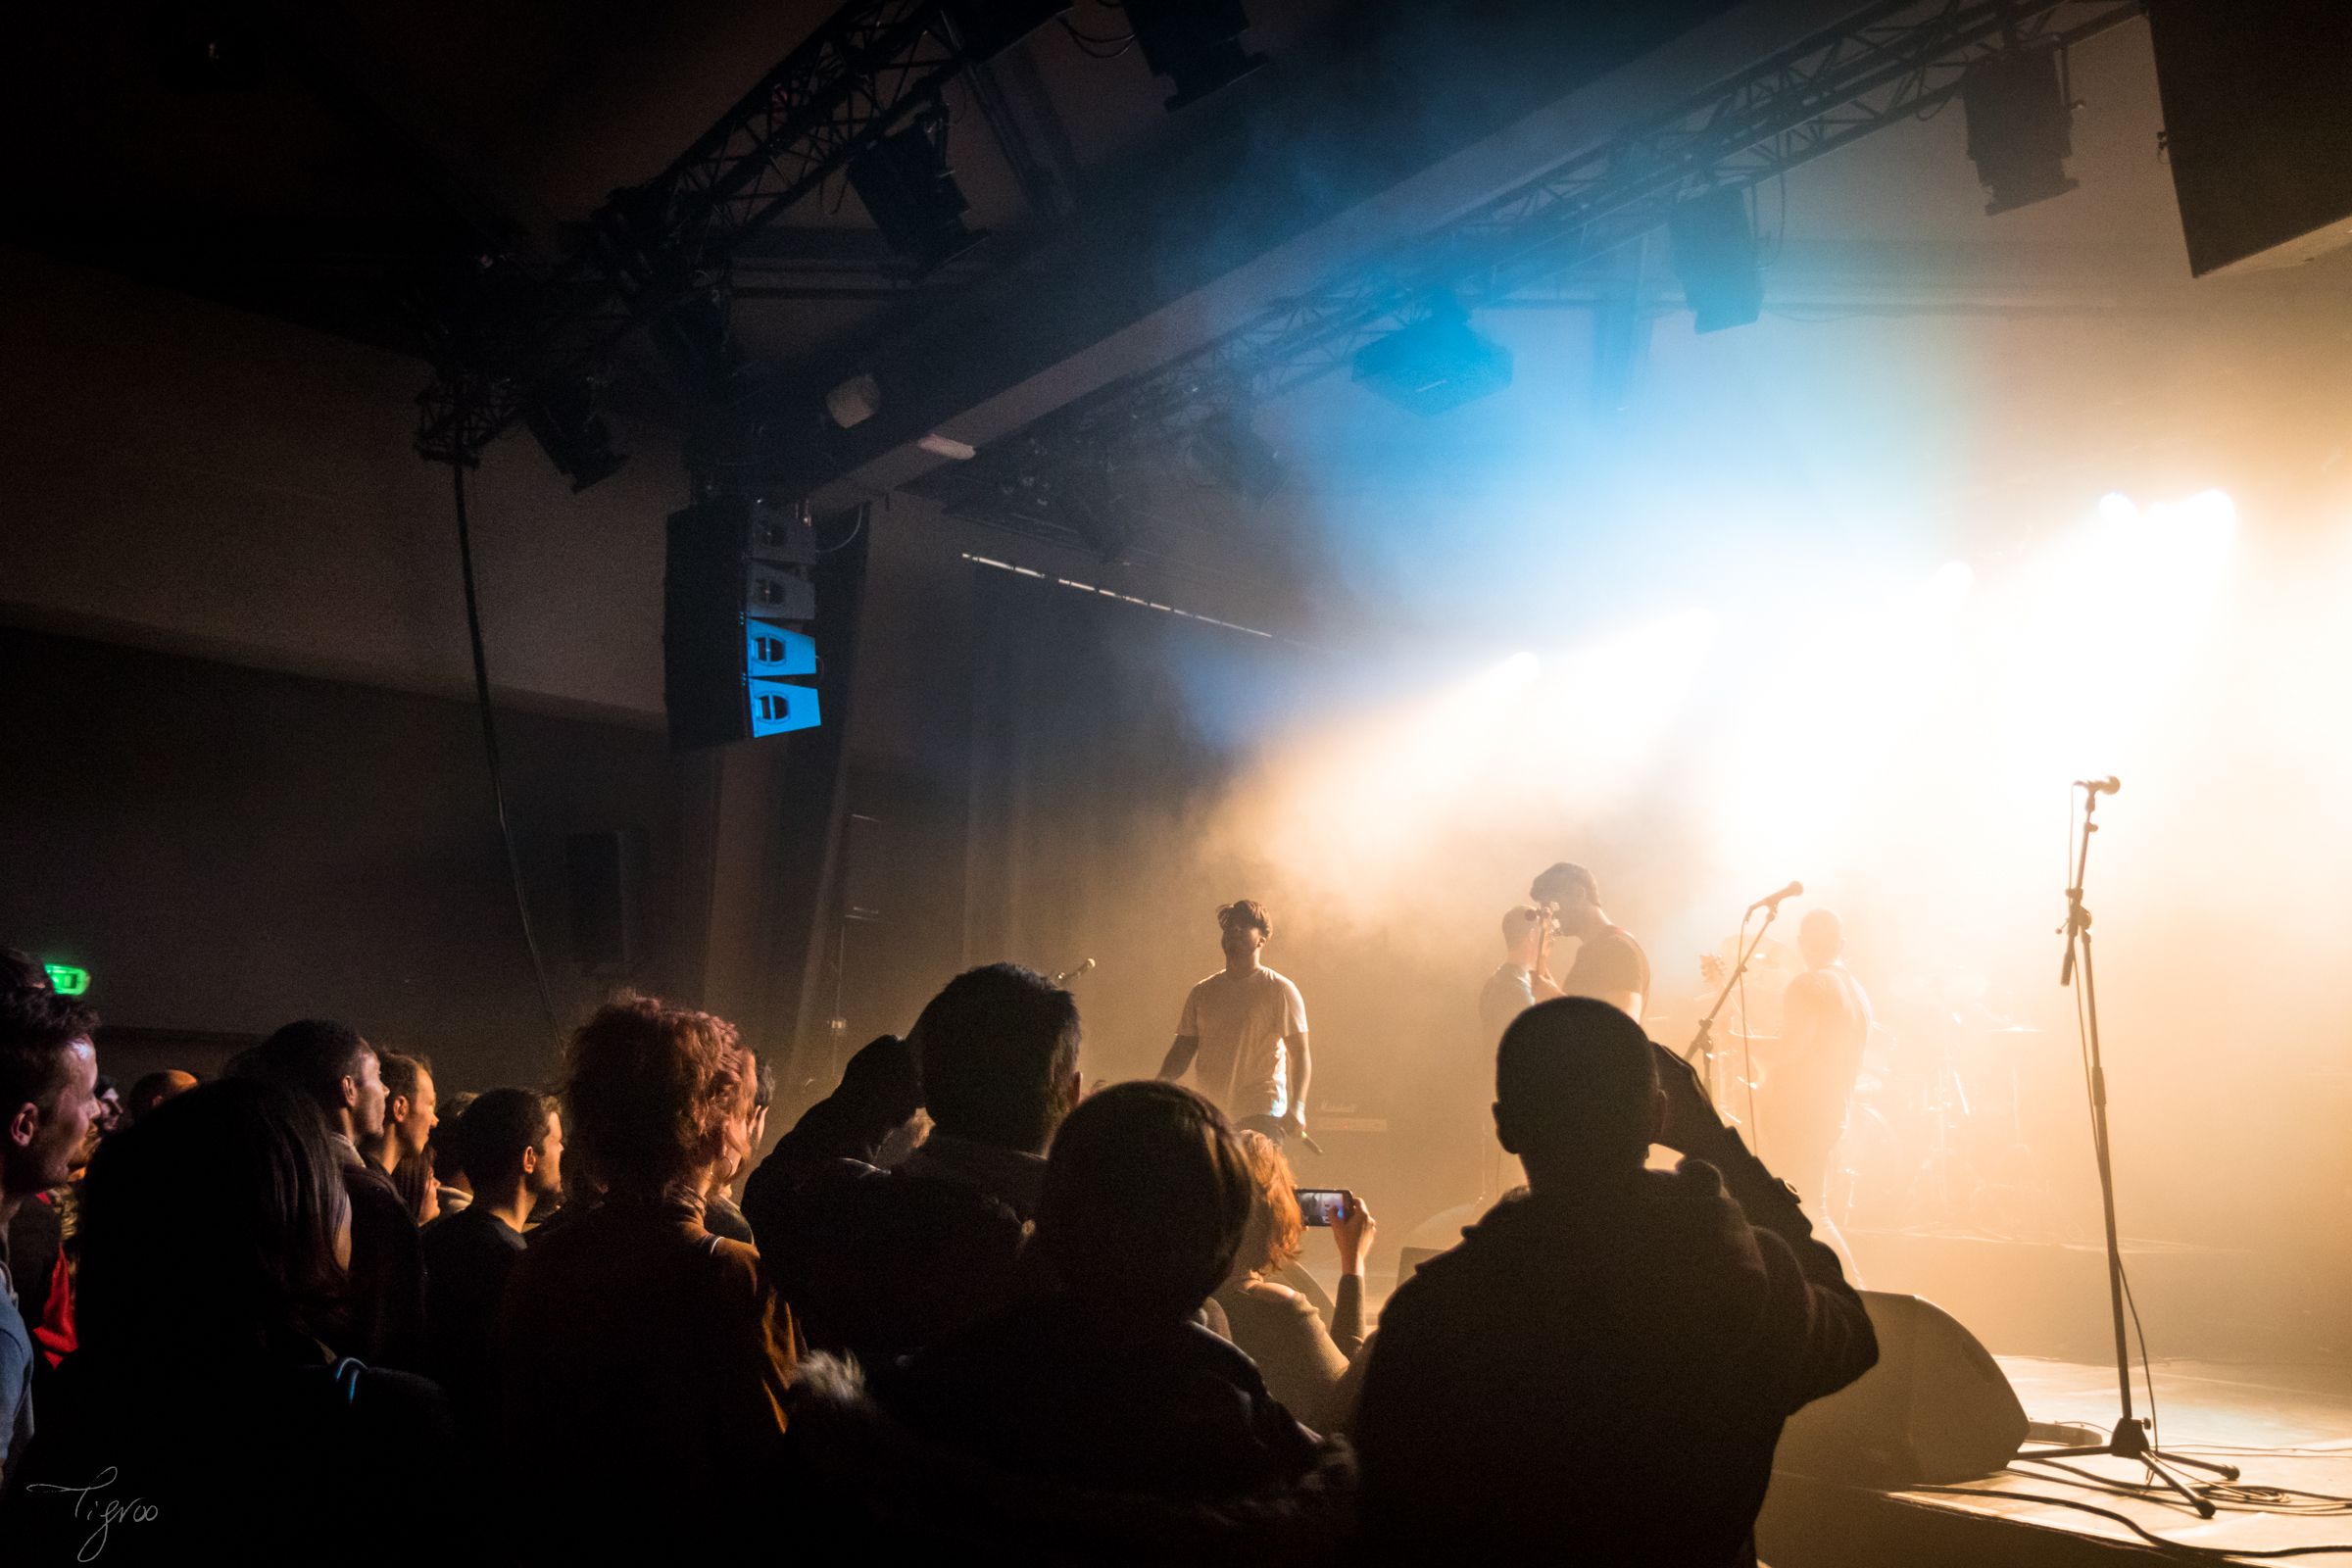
point(1937, 1409)
point(2257, 100)
point(739, 660)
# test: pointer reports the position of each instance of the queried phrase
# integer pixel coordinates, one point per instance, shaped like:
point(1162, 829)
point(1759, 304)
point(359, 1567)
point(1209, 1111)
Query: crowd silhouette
point(315, 1309)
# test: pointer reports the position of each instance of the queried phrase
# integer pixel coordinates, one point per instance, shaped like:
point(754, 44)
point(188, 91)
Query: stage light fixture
point(854, 402)
point(1715, 257)
point(1197, 45)
point(911, 194)
point(1073, 498)
point(1235, 456)
point(1435, 365)
point(2020, 126)
point(563, 420)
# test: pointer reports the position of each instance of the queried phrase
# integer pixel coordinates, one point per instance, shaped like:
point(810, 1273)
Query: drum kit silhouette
point(1937, 1132)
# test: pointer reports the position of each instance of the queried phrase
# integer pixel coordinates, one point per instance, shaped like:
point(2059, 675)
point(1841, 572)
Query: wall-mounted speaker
point(605, 877)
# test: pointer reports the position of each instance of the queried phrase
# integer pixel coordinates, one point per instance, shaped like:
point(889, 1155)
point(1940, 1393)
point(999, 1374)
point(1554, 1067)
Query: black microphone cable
point(498, 791)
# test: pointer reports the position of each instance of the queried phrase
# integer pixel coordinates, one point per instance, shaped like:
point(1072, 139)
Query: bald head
point(154, 1088)
point(1821, 938)
point(1576, 1087)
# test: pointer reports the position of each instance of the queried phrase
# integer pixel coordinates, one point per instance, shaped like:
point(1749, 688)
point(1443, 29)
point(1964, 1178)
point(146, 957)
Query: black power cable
point(2181, 1548)
point(498, 791)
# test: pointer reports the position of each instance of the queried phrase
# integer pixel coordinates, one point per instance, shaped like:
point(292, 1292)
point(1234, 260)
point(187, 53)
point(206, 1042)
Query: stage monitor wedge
point(1937, 1409)
point(2257, 100)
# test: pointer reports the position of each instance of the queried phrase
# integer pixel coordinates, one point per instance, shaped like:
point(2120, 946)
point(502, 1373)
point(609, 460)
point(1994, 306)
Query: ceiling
point(313, 162)
point(307, 161)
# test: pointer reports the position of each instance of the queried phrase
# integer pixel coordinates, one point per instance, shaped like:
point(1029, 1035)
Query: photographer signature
point(106, 1513)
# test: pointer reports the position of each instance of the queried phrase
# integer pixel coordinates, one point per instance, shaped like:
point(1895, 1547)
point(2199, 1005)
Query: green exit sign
point(68, 981)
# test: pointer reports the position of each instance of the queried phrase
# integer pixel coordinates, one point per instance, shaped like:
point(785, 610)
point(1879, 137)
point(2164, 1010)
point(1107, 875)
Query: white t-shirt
point(1241, 1021)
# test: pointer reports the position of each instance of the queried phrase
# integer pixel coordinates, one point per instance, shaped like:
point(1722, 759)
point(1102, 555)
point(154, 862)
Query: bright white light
point(2211, 510)
point(1953, 580)
point(2116, 507)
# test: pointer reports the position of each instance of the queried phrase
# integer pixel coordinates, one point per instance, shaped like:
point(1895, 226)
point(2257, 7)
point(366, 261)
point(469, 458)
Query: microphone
point(1069, 975)
point(2100, 786)
point(1771, 900)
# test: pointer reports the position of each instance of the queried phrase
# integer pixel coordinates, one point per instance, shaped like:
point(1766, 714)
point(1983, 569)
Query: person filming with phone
point(1301, 1357)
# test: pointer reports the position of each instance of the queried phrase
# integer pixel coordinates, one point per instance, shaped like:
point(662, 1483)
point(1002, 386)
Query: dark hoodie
point(1037, 1437)
point(1602, 1375)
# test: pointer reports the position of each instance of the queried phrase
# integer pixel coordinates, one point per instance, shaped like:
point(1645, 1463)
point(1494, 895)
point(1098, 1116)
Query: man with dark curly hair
point(1242, 1034)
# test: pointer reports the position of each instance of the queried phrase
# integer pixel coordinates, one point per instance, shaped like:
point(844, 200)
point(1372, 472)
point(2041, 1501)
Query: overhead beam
point(1294, 167)
point(654, 245)
point(1883, 64)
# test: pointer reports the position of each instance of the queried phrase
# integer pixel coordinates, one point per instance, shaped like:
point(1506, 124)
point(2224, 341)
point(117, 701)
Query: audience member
point(109, 1114)
point(879, 1094)
point(513, 1142)
point(48, 1072)
point(202, 1404)
point(153, 1090)
point(880, 1263)
point(410, 1115)
point(720, 1217)
point(328, 1064)
point(453, 1188)
point(801, 1196)
point(21, 972)
point(42, 1244)
point(1601, 1368)
point(643, 1359)
point(1302, 1359)
point(1099, 1422)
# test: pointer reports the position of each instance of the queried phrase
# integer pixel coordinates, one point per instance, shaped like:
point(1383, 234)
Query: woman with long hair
point(1301, 1357)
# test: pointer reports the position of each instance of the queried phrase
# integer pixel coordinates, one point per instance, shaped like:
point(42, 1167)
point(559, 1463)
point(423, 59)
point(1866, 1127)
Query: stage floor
point(2284, 1425)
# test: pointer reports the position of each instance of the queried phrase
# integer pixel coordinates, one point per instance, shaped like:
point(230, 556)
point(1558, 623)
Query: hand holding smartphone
point(1322, 1206)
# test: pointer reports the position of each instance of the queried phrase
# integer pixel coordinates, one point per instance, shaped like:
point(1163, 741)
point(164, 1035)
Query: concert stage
point(2286, 1426)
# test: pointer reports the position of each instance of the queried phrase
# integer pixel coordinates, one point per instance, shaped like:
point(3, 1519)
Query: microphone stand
point(2129, 1439)
point(1702, 1053)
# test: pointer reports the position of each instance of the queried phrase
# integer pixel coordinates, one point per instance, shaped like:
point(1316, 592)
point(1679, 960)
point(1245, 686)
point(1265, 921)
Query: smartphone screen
point(1322, 1206)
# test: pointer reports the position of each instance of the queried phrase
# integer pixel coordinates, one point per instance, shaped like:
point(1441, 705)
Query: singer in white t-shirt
point(1243, 1035)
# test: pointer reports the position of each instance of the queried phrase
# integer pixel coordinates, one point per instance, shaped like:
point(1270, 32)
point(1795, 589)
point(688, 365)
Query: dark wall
point(225, 848)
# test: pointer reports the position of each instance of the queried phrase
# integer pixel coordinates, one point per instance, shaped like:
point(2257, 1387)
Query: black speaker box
point(606, 872)
point(2257, 102)
point(1937, 1409)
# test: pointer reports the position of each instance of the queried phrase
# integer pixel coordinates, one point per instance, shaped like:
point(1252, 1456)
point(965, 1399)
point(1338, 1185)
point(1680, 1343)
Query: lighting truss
point(1886, 63)
point(657, 245)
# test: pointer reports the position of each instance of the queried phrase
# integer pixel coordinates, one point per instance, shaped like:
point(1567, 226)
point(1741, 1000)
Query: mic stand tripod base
point(2130, 1442)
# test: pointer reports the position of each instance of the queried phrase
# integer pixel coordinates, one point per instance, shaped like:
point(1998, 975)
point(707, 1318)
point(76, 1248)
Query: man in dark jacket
point(1601, 1369)
point(882, 1262)
point(1099, 1422)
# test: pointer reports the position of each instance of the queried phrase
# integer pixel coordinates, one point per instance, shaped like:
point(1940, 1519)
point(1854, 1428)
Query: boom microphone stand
point(1701, 1052)
point(2129, 1439)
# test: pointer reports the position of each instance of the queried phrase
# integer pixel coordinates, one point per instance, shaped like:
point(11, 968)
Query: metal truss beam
point(658, 246)
point(1886, 63)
